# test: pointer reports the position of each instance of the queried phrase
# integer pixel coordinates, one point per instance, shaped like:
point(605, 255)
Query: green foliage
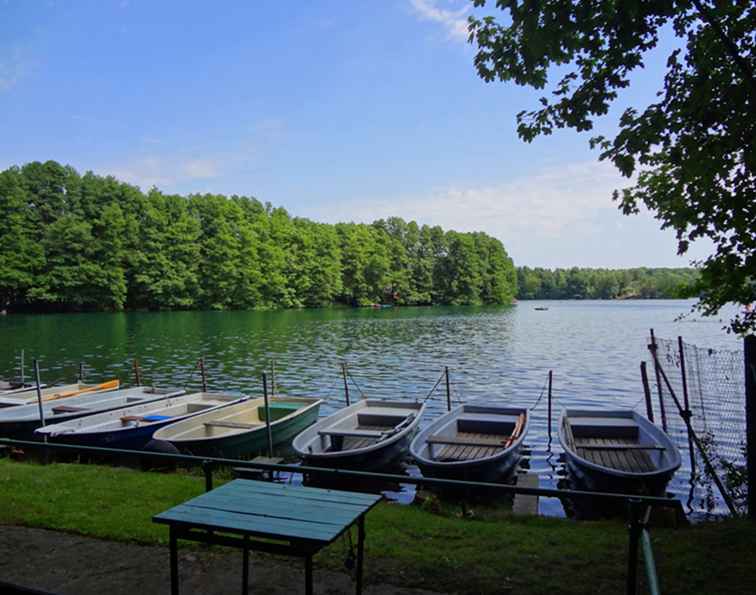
point(605, 284)
point(91, 242)
point(692, 150)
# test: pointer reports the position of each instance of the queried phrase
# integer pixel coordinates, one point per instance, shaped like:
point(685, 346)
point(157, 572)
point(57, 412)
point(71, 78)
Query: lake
point(501, 354)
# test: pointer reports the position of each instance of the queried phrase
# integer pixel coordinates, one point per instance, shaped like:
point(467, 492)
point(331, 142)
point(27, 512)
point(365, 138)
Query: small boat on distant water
point(617, 451)
point(240, 430)
point(369, 434)
point(28, 396)
point(541, 308)
point(132, 427)
point(472, 442)
point(20, 422)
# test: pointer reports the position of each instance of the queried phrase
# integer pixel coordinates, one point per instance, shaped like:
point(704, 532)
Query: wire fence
point(709, 385)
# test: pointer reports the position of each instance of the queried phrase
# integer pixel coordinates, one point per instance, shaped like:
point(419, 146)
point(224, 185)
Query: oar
point(109, 385)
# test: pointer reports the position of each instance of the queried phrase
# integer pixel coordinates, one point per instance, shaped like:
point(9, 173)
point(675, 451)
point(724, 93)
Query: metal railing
point(639, 507)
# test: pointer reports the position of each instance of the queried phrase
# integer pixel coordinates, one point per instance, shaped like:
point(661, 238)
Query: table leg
point(174, 562)
point(360, 551)
point(245, 569)
point(308, 574)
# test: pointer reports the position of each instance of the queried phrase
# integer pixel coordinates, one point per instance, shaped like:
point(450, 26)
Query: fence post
point(647, 392)
point(654, 350)
point(749, 353)
point(686, 402)
point(551, 374)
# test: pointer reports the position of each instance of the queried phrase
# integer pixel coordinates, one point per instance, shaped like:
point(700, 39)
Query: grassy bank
point(405, 545)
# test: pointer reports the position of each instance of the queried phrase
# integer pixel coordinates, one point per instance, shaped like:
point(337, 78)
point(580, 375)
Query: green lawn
point(405, 545)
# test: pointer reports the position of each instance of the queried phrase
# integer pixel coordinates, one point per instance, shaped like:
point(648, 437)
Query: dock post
point(272, 378)
point(448, 389)
point(137, 374)
point(346, 383)
point(267, 414)
point(81, 371)
point(686, 402)
point(749, 353)
point(654, 350)
point(647, 392)
point(39, 395)
point(22, 368)
point(551, 374)
point(201, 364)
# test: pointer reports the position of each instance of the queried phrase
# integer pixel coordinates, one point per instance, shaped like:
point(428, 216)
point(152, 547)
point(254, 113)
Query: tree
point(692, 150)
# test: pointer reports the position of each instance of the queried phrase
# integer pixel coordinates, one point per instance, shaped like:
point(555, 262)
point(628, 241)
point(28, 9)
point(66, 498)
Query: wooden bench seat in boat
point(68, 409)
point(278, 410)
point(496, 441)
point(487, 424)
point(380, 419)
point(351, 433)
point(623, 454)
point(603, 427)
point(229, 424)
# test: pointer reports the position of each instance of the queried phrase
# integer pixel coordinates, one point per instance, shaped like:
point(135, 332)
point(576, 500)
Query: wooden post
point(654, 348)
point(22, 369)
point(81, 371)
point(749, 352)
point(137, 374)
point(551, 374)
point(448, 389)
point(647, 392)
point(203, 374)
point(39, 394)
point(273, 378)
point(686, 402)
point(267, 415)
point(346, 384)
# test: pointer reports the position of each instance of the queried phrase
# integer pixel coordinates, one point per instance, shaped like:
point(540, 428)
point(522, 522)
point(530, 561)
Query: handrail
point(347, 473)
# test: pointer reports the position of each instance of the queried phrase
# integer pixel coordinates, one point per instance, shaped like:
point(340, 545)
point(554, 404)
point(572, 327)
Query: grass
point(405, 545)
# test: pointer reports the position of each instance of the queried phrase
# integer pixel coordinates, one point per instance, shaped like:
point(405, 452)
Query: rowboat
point(133, 426)
point(240, 430)
point(472, 442)
point(367, 435)
point(20, 422)
point(53, 393)
point(617, 451)
point(10, 387)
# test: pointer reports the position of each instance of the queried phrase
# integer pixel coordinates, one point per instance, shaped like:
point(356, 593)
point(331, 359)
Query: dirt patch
point(64, 564)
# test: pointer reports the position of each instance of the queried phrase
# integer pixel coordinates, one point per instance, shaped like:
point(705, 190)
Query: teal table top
point(272, 510)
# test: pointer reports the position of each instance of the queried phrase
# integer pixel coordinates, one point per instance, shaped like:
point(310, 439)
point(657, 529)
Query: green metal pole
point(267, 415)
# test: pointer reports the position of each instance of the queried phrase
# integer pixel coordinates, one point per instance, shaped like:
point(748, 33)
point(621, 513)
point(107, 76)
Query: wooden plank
point(230, 424)
point(465, 441)
point(249, 485)
point(524, 504)
point(351, 433)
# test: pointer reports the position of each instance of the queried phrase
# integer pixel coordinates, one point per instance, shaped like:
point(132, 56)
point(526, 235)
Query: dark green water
point(496, 353)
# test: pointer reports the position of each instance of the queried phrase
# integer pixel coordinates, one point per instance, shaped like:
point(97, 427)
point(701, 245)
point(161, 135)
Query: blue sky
point(334, 110)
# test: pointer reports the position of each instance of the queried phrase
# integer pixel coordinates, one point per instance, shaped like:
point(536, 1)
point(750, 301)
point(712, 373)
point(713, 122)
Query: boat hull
point(380, 458)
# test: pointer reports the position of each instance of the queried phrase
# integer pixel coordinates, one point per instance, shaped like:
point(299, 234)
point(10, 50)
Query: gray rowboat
point(472, 442)
point(371, 434)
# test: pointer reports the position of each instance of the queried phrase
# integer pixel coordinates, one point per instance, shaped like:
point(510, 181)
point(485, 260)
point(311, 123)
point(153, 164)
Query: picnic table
point(269, 517)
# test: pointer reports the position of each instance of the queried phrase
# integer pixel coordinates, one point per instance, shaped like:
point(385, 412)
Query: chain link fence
point(710, 385)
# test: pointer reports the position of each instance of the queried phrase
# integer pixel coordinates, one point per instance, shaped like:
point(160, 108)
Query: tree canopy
point(691, 151)
point(87, 242)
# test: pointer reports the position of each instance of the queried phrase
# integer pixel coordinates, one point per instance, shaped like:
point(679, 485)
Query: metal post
point(39, 394)
point(749, 352)
point(635, 528)
point(22, 369)
point(207, 469)
point(308, 574)
point(245, 569)
point(360, 551)
point(654, 348)
point(647, 392)
point(551, 374)
point(137, 373)
point(203, 374)
point(448, 389)
point(174, 561)
point(346, 384)
point(686, 402)
point(81, 371)
point(267, 415)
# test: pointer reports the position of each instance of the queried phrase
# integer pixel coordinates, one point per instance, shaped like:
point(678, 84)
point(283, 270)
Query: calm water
point(497, 353)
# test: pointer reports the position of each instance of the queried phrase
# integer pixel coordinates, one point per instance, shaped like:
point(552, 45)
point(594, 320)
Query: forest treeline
point(605, 284)
point(84, 242)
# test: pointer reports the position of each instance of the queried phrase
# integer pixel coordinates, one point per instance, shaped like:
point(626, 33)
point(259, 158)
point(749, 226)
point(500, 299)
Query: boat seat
point(229, 424)
point(502, 425)
point(603, 427)
point(351, 433)
point(445, 440)
point(278, 410)
point(380, 419)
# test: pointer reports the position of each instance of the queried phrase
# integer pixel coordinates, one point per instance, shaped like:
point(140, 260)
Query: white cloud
point(164, 172)
point(453, 21)
point(557, 216)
